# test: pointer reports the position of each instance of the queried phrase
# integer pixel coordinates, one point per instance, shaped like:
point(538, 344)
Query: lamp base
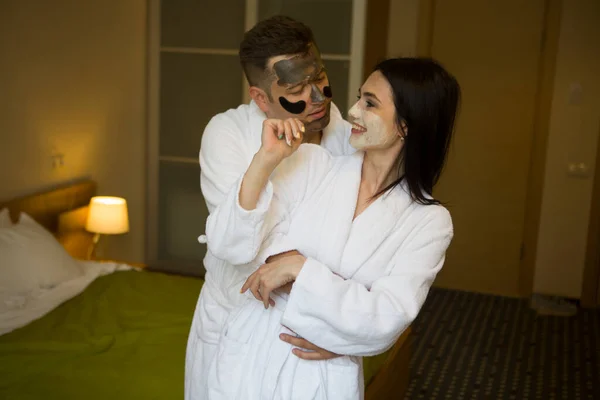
point(92, 251)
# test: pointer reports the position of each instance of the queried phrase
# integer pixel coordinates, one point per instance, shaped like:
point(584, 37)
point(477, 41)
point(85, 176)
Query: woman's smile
point(358, 129)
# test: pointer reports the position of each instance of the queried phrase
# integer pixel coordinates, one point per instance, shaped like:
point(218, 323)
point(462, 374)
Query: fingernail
point(280, 137)
point(289, 142)
point(296, 135)
point(302, 128)
point(281, 336)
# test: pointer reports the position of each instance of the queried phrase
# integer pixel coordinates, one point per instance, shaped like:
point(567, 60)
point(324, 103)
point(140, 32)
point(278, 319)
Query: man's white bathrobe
point(229, 143)
point(363, 283)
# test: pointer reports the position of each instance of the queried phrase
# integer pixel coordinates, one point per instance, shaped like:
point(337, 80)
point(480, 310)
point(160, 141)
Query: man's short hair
point(275, 36)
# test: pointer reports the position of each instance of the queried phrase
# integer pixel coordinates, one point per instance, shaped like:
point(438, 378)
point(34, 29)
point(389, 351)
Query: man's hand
point(315, 353)
point(279, 256)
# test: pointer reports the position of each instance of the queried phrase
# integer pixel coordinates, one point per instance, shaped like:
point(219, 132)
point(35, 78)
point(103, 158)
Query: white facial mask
point(376, 135)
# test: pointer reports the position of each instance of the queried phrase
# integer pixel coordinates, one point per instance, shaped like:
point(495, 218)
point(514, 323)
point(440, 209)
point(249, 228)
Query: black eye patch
point(327, 91)
point(293, 108)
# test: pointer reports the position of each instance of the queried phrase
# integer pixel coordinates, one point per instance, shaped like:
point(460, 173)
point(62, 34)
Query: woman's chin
point(358, 142)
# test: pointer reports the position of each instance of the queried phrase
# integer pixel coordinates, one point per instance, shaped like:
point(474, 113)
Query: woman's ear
point(260, 97)
point(403, 131)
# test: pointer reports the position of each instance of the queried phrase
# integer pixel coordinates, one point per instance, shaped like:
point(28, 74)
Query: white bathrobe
point(229, 143)
point(363, 283)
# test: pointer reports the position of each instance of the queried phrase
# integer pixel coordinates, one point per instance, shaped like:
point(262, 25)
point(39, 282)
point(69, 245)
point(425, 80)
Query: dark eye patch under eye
point(294, 108)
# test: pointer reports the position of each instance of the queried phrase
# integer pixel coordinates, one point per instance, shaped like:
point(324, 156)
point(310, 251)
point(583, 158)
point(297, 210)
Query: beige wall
point(72, 81)
point(402, 28)
point(574, 128)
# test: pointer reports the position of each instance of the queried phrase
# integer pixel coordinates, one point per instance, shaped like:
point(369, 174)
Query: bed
point(123, 335)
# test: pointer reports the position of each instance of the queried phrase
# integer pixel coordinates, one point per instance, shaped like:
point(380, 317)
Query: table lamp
point(107, 215)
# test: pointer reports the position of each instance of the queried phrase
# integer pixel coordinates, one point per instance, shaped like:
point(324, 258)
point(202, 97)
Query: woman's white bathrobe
point(229, 143)
point(370, 281)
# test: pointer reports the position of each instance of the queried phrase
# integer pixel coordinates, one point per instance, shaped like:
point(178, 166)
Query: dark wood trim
point(537, 167)
point(376, 34)
point(391, 382)
point(590, 290)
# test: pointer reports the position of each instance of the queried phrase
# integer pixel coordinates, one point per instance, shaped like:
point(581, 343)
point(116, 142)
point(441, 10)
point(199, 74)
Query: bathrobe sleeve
point(223, 159)
point(236, 235)
point(348, 318)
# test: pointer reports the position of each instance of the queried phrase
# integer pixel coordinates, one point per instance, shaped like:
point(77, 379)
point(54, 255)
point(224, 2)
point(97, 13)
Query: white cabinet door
point(194, 73)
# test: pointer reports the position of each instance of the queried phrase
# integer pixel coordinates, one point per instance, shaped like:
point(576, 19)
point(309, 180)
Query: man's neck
point(313, 137)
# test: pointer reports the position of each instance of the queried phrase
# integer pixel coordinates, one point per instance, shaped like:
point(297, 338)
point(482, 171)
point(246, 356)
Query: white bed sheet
point(19, 310)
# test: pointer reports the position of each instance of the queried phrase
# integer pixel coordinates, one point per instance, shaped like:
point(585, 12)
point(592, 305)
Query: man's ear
point(260, 97)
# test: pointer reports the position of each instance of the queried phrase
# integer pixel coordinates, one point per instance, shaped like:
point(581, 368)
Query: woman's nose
point(353, 112)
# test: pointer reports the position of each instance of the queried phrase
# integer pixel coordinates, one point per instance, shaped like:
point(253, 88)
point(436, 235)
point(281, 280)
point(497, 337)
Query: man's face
point(300, 89)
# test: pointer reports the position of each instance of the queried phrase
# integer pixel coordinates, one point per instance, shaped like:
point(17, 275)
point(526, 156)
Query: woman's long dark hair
point(426, 97)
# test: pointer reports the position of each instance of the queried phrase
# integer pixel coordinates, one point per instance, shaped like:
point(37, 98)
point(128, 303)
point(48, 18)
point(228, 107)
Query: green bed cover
point(124, 337)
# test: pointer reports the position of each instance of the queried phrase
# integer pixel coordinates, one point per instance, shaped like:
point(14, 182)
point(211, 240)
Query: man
point(287, 79)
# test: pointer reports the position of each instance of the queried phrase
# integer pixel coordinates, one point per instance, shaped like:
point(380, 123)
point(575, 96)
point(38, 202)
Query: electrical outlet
point(578, 170)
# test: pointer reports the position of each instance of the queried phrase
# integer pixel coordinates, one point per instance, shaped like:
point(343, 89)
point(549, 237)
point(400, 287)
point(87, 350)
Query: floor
point(474, 346)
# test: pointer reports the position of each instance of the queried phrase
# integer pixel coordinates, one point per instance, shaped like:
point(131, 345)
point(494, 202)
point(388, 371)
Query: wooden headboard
point(67, 203)
point(45, 207)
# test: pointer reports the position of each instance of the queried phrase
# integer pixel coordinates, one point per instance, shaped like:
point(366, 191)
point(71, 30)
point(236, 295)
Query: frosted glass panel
point(330, 20)
point(193, 88)
point(337, 71)
point(182, 213)
point(202, 23)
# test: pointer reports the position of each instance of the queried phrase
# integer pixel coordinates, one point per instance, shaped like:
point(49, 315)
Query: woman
point(371, 238)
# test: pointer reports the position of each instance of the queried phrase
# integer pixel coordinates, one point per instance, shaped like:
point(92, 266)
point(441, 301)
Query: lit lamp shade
point(107, 215)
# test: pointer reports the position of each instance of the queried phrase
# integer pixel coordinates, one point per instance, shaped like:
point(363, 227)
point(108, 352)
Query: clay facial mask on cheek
point(376, 133)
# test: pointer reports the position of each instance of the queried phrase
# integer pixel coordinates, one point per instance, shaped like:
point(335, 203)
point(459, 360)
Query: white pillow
point(5, 218)
point(31, 258)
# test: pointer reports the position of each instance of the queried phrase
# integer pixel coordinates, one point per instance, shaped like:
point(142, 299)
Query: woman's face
point(373, 116)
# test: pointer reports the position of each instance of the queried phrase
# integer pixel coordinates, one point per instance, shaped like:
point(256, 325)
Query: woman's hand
point(287, 288)
point(280, 138)
point(268, 157)
point(272, 276)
